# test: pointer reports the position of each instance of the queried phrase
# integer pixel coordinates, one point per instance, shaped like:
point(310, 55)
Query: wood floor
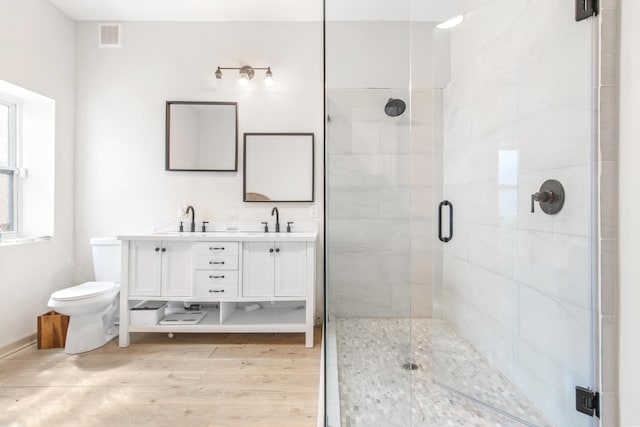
point(190, 380)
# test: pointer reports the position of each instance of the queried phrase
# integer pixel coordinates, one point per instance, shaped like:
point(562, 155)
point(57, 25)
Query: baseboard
point(17, 346)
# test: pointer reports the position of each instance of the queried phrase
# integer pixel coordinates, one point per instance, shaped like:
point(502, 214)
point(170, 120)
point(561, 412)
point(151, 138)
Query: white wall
point(629, 214)
point(38, 55)
point(121, 184)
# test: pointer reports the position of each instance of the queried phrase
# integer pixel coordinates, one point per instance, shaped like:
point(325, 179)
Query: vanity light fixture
point(246, 74)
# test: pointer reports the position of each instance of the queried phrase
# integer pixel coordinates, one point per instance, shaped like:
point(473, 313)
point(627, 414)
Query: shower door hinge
point(588, 401)
point(586, 9)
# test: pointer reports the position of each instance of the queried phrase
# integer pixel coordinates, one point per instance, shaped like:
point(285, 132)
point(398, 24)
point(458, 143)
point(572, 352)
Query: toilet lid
point(89, 289)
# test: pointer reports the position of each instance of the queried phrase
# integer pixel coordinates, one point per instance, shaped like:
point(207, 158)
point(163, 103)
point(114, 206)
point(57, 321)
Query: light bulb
point(268, 80)
point(244, 81)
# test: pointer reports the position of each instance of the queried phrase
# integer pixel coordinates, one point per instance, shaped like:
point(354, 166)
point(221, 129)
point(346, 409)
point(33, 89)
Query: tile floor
point(375, 390)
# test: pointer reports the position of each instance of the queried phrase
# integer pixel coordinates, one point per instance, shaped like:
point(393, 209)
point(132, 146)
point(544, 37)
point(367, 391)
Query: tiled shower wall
point(518, 112)
point(379, 205)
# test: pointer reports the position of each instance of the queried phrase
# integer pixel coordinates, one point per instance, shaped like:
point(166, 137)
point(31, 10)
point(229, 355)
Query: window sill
point(11, 241)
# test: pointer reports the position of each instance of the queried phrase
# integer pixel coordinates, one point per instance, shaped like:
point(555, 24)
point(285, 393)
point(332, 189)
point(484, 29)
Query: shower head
point(394, 107)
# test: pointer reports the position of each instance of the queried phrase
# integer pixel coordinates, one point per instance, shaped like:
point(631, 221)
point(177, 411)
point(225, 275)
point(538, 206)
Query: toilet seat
point(84, 291)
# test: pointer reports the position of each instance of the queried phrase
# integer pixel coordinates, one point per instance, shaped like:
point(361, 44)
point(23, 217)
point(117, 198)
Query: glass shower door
point(514, 286)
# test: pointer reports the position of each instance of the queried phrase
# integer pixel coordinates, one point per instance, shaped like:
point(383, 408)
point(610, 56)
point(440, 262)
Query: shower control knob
point(541, 198)
point(550, 197)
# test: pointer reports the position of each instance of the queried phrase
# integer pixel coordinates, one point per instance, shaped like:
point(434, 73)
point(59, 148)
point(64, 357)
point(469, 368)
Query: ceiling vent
point(110, 35)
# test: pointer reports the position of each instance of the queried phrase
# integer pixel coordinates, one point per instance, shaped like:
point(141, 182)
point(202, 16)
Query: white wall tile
point(493, 248)
point(550, 384)
point(421, 300)
point(555, 137)
point(359, 235)
point(556, 72)
point(555, 264)
point(558, 329)
point(346, 203)
point(379, 201)
point(395, 202)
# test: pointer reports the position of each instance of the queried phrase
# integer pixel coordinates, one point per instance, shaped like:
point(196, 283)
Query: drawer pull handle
point(216, 277)
point(216, 262)
point(216, 291)
point(211, 248)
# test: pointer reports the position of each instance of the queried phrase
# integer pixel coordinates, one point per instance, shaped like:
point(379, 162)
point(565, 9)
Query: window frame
point(14, 147)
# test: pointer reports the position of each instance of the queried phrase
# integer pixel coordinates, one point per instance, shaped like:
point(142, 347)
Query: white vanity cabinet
point(160, 268)
point(242, 282)
point(274, 269)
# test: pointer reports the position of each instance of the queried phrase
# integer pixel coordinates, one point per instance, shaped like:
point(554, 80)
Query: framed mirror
point(202, 136)
point(279, 167)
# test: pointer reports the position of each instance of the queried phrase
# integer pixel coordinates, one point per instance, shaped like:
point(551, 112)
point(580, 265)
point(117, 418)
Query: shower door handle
point(448, 238)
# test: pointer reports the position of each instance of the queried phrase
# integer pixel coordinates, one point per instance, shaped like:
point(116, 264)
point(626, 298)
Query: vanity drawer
point(215, 248)
point(216, 262)
point(219, 284)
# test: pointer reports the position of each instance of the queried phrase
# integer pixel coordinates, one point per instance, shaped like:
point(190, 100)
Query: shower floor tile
point(376, 391)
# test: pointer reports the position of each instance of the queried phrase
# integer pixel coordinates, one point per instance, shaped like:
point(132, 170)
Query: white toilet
point(92, 306)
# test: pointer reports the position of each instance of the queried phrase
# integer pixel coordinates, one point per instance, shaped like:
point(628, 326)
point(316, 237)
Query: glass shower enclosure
point(452, 296)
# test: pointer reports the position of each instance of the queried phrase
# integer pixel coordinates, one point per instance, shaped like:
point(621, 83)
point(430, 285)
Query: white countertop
point(225, 236)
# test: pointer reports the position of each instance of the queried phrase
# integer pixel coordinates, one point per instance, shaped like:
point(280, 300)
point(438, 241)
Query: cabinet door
point(257, 269)
point(291, 269)
point(144, 268)
point(177, 270)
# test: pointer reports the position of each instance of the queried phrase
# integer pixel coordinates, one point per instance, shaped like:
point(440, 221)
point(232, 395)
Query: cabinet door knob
point(216, 291)
point(216, 262)
point(277, 249)
point(164, 249)
point(157, 249)
point(215, 249)
point(271, 250)
point(216, 277)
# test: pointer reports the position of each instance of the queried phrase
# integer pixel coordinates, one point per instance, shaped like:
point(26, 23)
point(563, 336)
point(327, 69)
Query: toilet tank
point(106, 259)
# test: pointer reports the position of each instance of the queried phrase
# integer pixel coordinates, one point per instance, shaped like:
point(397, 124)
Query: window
point(8, 166)
point(27, 164)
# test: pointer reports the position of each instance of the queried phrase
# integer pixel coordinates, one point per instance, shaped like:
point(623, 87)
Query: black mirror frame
point(313, 167)
point(168, 133)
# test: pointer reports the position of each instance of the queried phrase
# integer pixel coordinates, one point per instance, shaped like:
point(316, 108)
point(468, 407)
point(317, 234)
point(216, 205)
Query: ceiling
point(263, 10)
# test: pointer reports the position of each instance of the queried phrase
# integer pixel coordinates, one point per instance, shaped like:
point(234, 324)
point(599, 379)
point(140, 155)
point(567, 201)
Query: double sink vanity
point(230, 281)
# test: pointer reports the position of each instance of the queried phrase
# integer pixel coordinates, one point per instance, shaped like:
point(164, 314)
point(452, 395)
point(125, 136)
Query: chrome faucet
point(275, 210)
point(192, 227)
